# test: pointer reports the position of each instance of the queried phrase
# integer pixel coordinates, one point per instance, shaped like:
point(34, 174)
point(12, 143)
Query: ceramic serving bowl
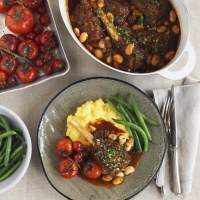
point(16, 122)
point(185, 48)
point(52, 127)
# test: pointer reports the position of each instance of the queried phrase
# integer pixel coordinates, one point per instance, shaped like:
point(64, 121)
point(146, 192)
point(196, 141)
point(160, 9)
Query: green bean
point(2, 125)
point(5, 123)
point(121, 101)
point(7, 134)
point(12, 161)
point(11, 171)
point(134, 133)
point(137, 128)
point(16, 151)
point(2, 157)
point(149, 121)
point(3, 149)
point(1, 141)
point(8, 149)
point(140, 118)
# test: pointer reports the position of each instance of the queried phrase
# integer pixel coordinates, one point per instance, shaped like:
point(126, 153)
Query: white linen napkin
point(187, 108)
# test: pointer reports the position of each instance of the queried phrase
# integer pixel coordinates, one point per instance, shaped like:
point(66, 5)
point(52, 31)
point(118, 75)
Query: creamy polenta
point(89, 113)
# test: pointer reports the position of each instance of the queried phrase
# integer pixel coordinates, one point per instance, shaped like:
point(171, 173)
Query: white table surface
point(30, 103)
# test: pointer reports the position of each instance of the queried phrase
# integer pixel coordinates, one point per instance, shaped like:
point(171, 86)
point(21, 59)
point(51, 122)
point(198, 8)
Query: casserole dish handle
point(186, 70)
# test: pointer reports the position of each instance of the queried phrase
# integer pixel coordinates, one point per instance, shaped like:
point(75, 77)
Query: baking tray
point(60, 53)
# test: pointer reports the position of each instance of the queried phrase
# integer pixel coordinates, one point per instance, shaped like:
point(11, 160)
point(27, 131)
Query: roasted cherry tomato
point(58, 65)
point(31, 3)
point(38, 29)
point(92, 170)
point(8, 64)
point(78, 158)
point(19, 19)
point(44, 20)
point(0, 55)
point(3, 77)
point(29, 49)
point(9, 41)
point(47, 69)
point(41, 9)
point(67, 168)
point(78, 146)
point(48, 39)
point(30, 35)
point(6, 4)
point(26, 73)
point(64, 148)
point(11, 81)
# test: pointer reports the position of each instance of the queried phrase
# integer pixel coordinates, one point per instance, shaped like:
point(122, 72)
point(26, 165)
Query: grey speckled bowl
point(53, 126)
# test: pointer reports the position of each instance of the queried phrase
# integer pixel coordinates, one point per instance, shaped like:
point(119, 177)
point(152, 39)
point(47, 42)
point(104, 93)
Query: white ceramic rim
point(184, 22)
point(24, 165)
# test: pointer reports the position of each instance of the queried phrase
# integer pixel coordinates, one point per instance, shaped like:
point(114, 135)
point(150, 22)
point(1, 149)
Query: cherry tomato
point(6, 4)
point(47, 69)
point(78, 158)
point(41, 9)
point(8, 64)
point(0, 55)
point(3, 77)
point(19, 19)
point(48, 39)
point(67, 168)
point(38, 29)
point(30, 35)
point(37, 39)
point(9, 41)
point(42, 49)
point(29, 49)
point(11, 81)
point(58, 65)
point(78, 146)
point(64, 148)
point(21, 37)
point(92, 170)
point(26, 73)
point(44, 20)
point(31, 3)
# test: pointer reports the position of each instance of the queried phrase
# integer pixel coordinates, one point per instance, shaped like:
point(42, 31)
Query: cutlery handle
point(176, 178)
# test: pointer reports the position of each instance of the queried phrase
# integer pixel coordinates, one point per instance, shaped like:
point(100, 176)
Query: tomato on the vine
point(11, 81)
point(78, 158)
point(44, 20)
point(19, 19)
point(28, 48)
point(3, 77)
point(41, 9)
point(64, 148)
point(6, 4)
point(67, 168)
point(47, 69)
point(9, 41)
point(31, 3)
point(92, 170)
point(26, 73)
point(58, 65)
point(78, 146)
point(8, 64)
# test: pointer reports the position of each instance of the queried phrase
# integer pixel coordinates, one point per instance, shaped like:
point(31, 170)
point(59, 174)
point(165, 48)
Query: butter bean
point(155, 60)
point(107, 178)
point(102, 44)
point(172, 16)
point(161, 29)
point(129, 170)
point(100, 3)
point(117, 180)
point(169, 55)
point(109, 59)
point(77, 32)
point(118, 58)
point(129, 49)
point(137, 27)
point(112, 136)
point(175, 29)
point(98, 53)
point(83, 37)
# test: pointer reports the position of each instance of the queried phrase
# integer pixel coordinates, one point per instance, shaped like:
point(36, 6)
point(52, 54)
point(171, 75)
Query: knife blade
point(174, 146)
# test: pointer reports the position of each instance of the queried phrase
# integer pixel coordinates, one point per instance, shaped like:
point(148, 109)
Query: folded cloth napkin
point(187, 108)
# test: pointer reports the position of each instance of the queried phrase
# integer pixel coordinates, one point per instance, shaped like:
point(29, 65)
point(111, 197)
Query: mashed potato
point(88, 113)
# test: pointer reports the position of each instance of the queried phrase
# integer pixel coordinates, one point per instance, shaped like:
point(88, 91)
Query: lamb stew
point(137, 36)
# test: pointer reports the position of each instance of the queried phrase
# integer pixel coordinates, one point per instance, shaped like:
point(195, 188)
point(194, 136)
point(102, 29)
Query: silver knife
point(174, 146)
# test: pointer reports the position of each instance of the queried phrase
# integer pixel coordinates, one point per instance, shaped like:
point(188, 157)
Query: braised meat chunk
point(84, 17)
point(119, 8)
point(153, 10)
